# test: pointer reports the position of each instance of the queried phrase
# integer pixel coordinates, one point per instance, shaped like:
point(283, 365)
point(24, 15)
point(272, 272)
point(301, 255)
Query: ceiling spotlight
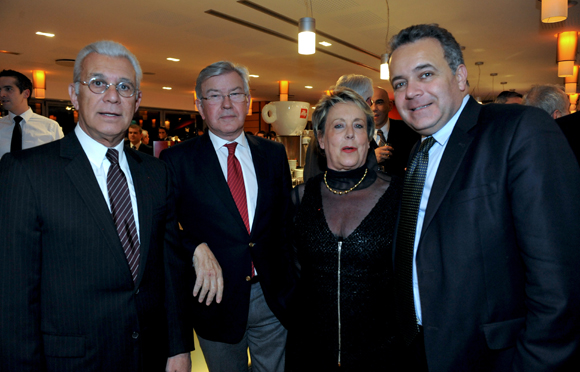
point(167, 88)
point(325, 43)
point(173, 59)
point(308, 86)
point(254, 75)
point(45, 34)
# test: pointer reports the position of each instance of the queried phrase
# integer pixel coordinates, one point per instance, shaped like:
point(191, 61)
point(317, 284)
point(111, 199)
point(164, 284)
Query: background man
point(487, 255)
point(396, 133)
point(84, 280)
point(162, 134)
point(145, 137)
point(508, 97)
point(135, 134)
point(232, 198)
point(550, 98)
point(32, 129)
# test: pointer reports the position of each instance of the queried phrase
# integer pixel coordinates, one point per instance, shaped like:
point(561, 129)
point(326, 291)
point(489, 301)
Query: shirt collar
point(443, 134)
point(95, 151)
point(219, 142)
point(25, 115)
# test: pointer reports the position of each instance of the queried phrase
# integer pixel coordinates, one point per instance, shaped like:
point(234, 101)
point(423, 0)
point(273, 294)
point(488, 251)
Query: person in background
point(145, 137)
point(90, 272)
point(550, 98)
point(508, 97)
point(487, 247)
point(261, 133)
point(21, 128)
point(343, 313)
point(570, 125)
point(395, 133)
point(234, 226)
point(162, 134)
point(134, 142)
point(272, 136)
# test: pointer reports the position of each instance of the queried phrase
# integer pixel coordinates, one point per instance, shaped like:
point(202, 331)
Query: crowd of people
point(447, 241)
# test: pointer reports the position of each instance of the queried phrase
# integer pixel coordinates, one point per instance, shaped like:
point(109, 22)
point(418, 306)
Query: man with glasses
point(22, 128)
point(90, 277)
point(232, 195)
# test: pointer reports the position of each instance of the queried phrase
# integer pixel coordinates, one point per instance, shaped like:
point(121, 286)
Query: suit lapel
point(144, 206)
point(457, 145)
point(80, 173)
point(210, 169)
point(262, 174)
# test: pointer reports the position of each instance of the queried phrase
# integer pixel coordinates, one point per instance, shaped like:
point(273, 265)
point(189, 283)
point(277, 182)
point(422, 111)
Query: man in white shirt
point(33, 129)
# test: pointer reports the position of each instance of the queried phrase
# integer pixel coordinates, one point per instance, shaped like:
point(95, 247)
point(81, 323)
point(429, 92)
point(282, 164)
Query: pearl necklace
point(346, 191)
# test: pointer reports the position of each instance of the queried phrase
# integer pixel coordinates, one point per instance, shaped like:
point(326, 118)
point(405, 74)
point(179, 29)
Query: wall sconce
point(554, 10)
point(39, 83)
point(284, 89)
point(307, 36)
point(567, 50)
point(571, 82)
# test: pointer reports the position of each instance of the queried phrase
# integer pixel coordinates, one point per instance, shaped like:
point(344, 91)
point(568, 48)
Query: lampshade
point(284, 89)
point(250, 109)
point(567, 50)
point(571, 82)
point(306, 36)
point(570, 88)
point(385, 67)
point(554, 10)
point(39, 83)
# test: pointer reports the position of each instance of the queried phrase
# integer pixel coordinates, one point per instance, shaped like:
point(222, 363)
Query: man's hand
point(179, 363)
point(209, 279)
point(383, 153)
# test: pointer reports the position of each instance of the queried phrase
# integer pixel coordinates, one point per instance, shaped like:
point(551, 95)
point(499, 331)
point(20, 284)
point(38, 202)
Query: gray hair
point(451, 49)
point(340, 95)
point(548, 97)
point(363, 85)
point(503, 96)
point(222, 68)
point(106, 48)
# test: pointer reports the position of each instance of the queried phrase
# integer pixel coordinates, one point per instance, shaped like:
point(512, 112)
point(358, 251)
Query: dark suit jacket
point(68, 299)
point(143, 148)
point(570, 125)
point(499, 251)
point(207, 213)
point(402, 138)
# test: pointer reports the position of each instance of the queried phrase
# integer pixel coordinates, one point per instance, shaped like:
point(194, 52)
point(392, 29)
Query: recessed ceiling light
point(307, 87)
point(167, 88)
point(9, 52)
point(254, 75)
point(44, 34)
point(173, 59)
point(325, 43)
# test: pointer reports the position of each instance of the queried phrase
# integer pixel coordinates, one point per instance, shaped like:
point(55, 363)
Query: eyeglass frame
point(227, 95)
point(108, 85)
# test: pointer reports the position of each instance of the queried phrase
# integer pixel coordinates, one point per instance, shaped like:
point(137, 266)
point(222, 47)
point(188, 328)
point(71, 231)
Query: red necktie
point(236, 183)
point(122, 211)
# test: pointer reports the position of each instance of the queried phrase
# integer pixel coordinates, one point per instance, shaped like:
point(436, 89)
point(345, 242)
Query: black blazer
point(570, 125)
point(402, 138)
point(68, 298)
point(207, 213)
point(499, 251)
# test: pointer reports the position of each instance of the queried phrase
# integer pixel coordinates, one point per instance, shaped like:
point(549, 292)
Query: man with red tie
point(232, 195)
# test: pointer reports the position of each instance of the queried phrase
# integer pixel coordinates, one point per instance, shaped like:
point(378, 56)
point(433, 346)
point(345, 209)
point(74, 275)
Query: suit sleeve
point(544, 184)
point(21, 345)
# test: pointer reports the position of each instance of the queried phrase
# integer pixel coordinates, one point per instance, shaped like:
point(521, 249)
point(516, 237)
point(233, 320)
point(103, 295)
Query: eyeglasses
point(99, 86)
point(369, 101)
point(216, 99)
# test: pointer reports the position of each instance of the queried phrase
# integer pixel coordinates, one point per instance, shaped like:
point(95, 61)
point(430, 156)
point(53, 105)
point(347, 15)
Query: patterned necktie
point(412, 191)
point(16, 143)
point(382, 141)
point(122, 212)
point(236, 183)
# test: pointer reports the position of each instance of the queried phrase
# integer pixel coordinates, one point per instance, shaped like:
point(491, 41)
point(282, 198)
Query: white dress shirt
point(385, 128)
point(36, 130)
point(244, 155)
point(435, 155)
point(96, 153)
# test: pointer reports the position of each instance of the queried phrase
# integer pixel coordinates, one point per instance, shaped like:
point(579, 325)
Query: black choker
point(341, 183)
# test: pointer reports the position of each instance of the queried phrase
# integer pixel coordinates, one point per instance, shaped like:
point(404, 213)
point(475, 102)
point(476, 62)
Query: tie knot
point(18, 119)
point(427, 144)
point(379, 132)
point(231, 147)
point(113, 156)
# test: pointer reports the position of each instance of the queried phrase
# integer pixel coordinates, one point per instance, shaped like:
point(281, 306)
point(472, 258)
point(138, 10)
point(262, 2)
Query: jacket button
point(251, 245)
point(135, 335)
point(248, 278)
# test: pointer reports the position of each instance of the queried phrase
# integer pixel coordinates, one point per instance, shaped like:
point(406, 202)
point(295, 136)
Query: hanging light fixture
point(554, 10)
point(39, 83)
point(571, 82)
point(567, 50)
point(307, 36)
point(384, 74)
point(284, 90)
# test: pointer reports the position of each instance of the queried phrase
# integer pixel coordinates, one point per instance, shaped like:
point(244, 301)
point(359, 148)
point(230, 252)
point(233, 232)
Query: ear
point(26, 93)
point(199, 106)
point(461, 77)
point(138, 100)
point(73, 96)
point(556, 114)
point(320, 139)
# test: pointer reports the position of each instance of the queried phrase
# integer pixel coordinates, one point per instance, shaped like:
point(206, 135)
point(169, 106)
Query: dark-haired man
point(22, 128)
point(487, 247)
point(509, 98)
point(135, 134)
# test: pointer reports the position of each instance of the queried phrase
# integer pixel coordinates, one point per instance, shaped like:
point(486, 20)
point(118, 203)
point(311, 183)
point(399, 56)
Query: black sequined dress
point(343, 313)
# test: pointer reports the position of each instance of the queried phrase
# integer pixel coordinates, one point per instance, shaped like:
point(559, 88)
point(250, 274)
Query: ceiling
point(506, 35)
